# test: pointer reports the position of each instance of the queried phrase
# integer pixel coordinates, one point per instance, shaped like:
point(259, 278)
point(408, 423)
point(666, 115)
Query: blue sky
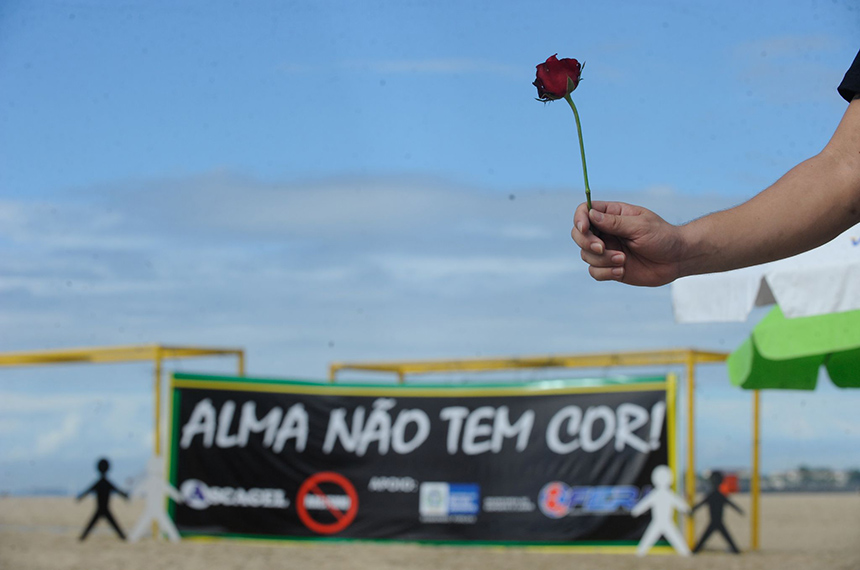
point(329, 181)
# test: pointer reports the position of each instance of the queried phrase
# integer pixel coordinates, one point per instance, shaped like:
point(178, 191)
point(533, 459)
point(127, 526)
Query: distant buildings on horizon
point(803, 479)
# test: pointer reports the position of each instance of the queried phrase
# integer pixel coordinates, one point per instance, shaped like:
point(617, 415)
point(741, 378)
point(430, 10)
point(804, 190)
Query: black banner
point(553, 462)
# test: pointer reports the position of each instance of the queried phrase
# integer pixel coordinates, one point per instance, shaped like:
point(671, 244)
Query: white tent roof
point(823, 280)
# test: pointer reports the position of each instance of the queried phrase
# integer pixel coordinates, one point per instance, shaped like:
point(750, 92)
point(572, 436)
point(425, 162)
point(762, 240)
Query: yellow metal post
point(690, 484)
point(671, 435)
point(755, 477)
point(240, 356)
point(157, 443)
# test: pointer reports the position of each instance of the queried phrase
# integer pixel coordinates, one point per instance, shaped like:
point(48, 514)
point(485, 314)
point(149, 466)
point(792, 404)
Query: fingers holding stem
point(606, 260)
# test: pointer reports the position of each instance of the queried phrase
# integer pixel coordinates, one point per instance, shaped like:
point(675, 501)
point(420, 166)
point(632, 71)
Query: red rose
point(556, 78)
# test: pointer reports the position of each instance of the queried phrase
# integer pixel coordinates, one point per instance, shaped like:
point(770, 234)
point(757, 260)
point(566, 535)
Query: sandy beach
point(799, 531)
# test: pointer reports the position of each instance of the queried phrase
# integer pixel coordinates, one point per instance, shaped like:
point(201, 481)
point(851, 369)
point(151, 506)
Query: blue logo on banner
point(464, 498)
point(557, 500)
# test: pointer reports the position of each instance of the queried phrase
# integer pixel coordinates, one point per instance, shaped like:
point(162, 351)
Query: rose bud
point(556, 78)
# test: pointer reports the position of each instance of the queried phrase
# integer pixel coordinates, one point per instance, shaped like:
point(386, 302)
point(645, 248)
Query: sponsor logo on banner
point(198, 495)
point(557, 500)
point(449, 502)
point(327, 502)
point(433, 500)
point(508, 505)
point(392, 485)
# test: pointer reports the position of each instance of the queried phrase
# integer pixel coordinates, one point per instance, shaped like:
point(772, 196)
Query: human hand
point(634, 245)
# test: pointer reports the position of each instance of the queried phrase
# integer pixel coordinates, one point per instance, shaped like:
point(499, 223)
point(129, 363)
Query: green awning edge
point(751, 371)
point(779, 338)
point(844, 368)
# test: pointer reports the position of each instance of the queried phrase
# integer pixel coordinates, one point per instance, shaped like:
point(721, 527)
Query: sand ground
point(799, 531)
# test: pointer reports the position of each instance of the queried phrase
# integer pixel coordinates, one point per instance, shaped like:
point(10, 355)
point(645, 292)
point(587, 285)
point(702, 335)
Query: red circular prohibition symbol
point(342, 519)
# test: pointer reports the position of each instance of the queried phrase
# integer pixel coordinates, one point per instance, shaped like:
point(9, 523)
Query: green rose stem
point(581, 149)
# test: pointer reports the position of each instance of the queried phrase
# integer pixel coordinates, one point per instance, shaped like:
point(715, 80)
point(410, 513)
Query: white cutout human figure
point(154, 488)
point(662, 502)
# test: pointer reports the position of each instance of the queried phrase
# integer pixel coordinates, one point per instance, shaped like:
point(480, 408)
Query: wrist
point(693, 254)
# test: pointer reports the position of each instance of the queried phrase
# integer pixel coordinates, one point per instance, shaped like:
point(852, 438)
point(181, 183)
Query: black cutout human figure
point(716, 501)
point(102, 489)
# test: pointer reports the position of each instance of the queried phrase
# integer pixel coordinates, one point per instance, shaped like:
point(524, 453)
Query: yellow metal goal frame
point(689, 358)
point(156, 353)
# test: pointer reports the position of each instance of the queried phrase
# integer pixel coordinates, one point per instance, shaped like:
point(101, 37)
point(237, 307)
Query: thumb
point(619, 226)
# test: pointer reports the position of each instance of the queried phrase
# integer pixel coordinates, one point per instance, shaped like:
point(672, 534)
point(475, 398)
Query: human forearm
point(813, 203)
point(797, 213)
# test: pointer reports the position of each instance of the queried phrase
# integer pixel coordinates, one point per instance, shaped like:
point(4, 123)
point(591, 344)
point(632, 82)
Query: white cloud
point(512, 231)
point(50, 441)
point(23, 404)
point(37, 425)
point(224, 207)
point(40, 287)
point(10, 426)
point(66, 225)
point(429, 270)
